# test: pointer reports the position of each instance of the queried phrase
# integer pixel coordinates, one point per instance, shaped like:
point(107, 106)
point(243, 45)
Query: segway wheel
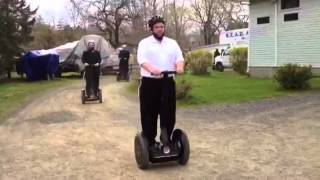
point(141, 151)
point(220, 67)
point(83, 96)
point(182, 141)
point(118, 77)
point(128, 77)
point(100, 96)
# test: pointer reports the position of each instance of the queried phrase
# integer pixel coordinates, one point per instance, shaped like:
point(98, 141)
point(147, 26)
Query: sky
point(55, 10)
point(51, 10)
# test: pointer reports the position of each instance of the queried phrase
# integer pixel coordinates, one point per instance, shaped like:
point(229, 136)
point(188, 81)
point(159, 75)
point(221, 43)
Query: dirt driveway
point(56, 137)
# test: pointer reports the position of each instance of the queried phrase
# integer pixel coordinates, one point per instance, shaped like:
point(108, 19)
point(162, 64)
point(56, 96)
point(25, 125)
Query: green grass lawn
point(229, 87)
point(16, 93)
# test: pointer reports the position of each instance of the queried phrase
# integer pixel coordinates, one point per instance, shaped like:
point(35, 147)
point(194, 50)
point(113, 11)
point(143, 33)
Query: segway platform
point(179, 150)
point(85, 99)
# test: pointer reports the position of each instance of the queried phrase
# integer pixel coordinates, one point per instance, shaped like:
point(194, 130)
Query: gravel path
point(59, 138)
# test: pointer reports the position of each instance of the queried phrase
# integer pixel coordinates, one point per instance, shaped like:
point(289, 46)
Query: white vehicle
point(222, 61)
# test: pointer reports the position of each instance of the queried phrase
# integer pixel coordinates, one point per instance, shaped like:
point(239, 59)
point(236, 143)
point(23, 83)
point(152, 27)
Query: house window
point(288, 4)
point(291, 17)
point(263, 20)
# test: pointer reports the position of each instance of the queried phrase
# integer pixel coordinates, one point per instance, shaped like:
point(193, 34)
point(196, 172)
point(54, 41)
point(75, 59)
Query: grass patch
point(132, 87)
point(229, 87)
point(15, 93)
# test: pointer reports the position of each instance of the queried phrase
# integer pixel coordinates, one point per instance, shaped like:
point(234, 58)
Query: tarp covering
point(105, 48)
point(41, 64)
point(65, 50)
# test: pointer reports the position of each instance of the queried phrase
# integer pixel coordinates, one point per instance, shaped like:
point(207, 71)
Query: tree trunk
point(116, 35)
point(207, 35)
point(9, 74)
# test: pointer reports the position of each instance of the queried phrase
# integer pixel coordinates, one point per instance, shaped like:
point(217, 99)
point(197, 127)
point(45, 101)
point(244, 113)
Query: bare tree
point(79, 12)
point(233, 15)
point(175, 13)
point(239, 18)
point(125, 21)
point(216, 15)
point(74, 15)
point(139, 13)
point(107, 15)
point(204, 14)
point(135, 28)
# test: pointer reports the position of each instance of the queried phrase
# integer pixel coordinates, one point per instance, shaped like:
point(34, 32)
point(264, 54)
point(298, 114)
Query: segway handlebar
point(166, 73)
point(92, 65)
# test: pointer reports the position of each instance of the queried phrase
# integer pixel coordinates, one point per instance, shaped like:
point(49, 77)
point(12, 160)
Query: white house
point(282, 32)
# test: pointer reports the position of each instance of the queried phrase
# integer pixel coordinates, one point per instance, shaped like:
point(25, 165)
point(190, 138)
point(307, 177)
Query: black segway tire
point(141, 151)
point(181, 138)
point(220, 67)
point(118, 77)
point(83, 96)
point(100, 95)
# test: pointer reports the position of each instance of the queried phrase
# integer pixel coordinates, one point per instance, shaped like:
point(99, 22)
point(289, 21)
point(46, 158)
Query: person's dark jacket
point(91, 57)
point(216, 53)
point(124, 54)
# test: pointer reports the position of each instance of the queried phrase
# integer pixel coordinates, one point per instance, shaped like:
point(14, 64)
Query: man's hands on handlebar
point(158, 72)
point(180, 68)
point(155, 71)
point(96, 64)
point(151, 69)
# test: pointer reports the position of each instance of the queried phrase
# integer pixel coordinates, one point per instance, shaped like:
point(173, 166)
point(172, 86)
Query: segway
point(174, 148)
point(85, 98)
point(123, 74)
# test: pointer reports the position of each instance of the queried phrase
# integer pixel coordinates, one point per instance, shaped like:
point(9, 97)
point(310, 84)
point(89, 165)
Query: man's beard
point(159, 38)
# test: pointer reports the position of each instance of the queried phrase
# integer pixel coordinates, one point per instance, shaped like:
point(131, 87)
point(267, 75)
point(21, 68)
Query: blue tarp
point(39, 65)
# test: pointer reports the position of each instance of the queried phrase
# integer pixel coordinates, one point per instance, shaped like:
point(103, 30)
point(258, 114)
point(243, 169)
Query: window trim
point(282, 4)
point(293, 13)
point(263, 17)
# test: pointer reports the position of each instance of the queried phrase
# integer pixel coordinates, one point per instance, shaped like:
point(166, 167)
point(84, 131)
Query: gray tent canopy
point(105, 48)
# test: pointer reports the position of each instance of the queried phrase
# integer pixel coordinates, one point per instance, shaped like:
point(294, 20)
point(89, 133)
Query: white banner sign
point(234, 37)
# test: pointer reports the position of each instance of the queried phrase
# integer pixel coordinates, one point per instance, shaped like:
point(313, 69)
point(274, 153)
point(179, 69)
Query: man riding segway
point(159, 58)
point(124, 56)
point(91, 59)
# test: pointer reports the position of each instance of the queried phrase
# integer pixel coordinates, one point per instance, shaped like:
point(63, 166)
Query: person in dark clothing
point(124, 56)
point(19, 67)
point(216, 53)
point(91, 60)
